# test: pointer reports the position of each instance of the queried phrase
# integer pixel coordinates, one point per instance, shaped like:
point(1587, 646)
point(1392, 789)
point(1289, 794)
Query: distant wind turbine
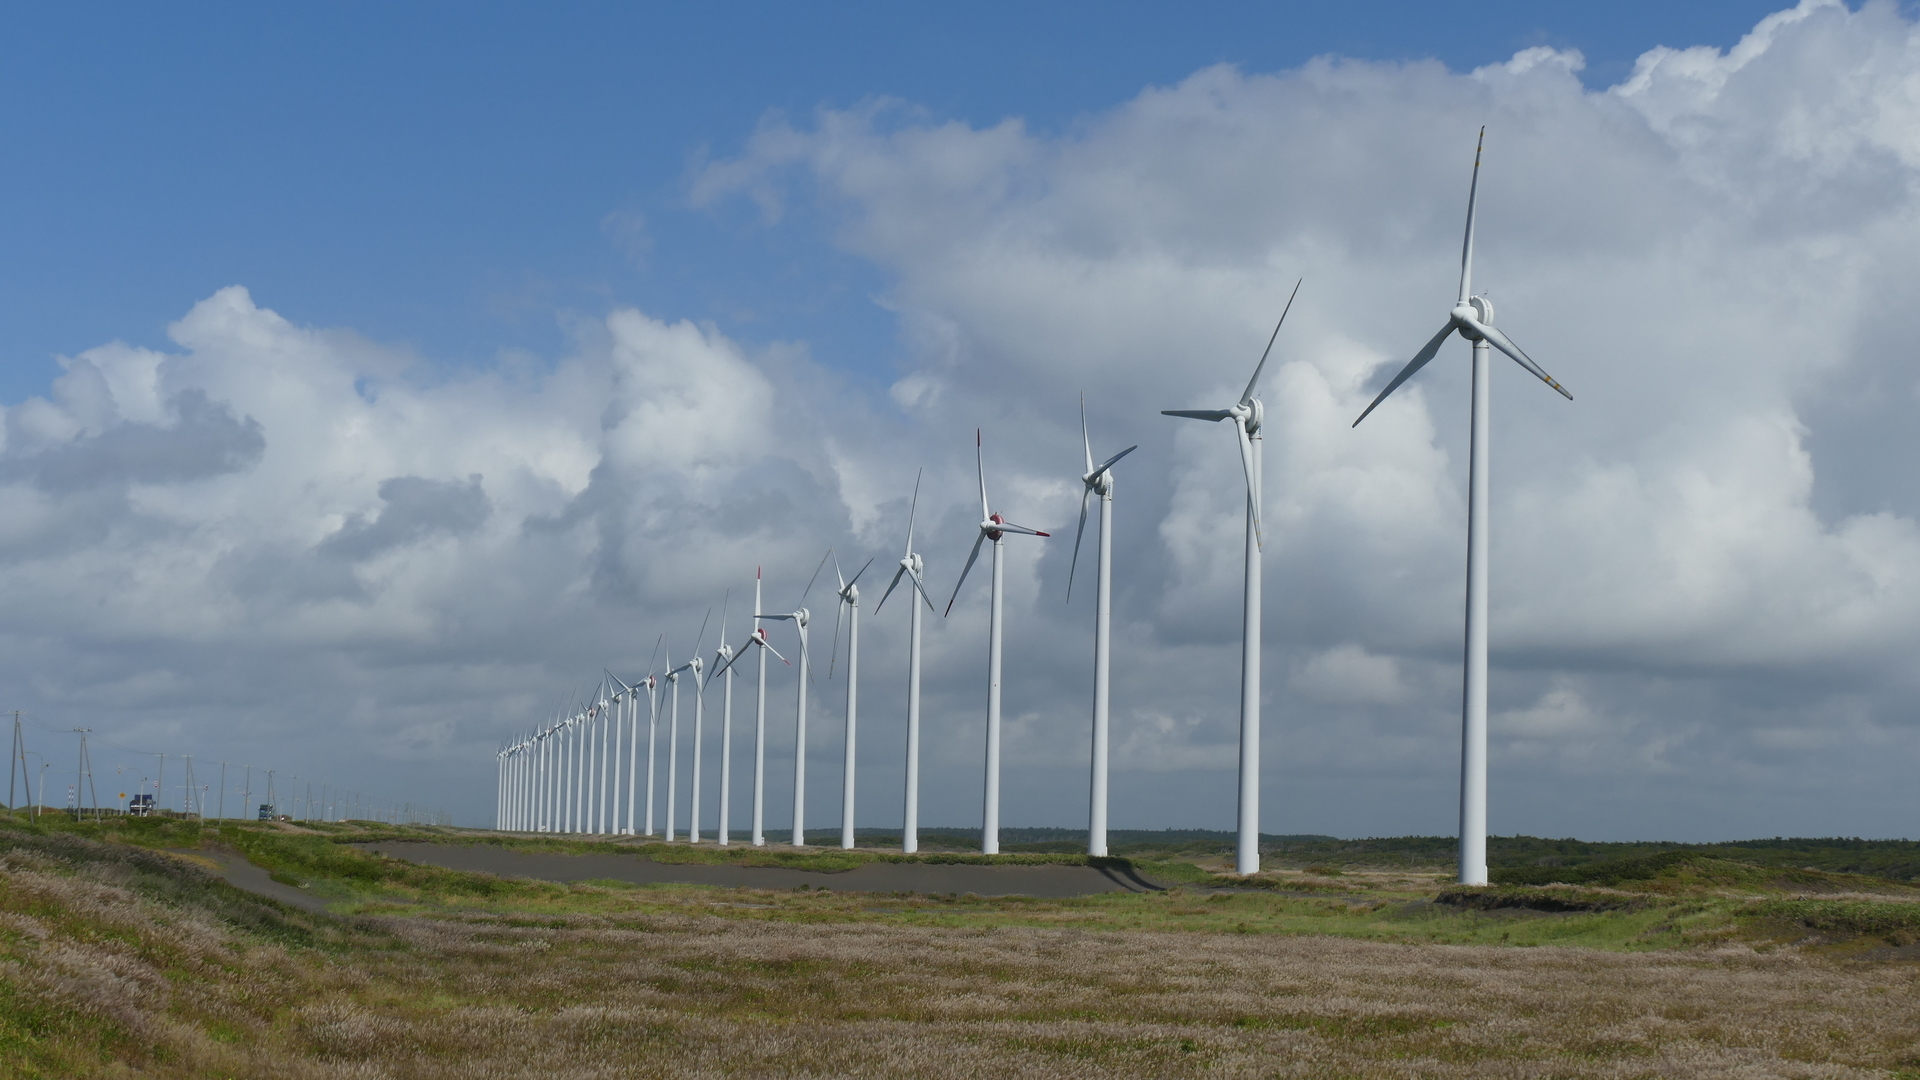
point(1472, 318)
point(913, 570)
point(1098, 481)
point(849, 602)
point(1247, 414)
point(758, 639)
point(993, 527)
point(799, 616)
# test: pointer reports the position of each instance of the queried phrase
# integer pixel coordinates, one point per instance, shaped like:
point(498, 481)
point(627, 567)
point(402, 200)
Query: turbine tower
point(723, 665)
point(849, 596)
point(1472, 318)
point(800, 616)
point(913, 570)
point(1246, 415)
point(993, 527)
point(1098, 481)
point(759, 639)
point(673, 738)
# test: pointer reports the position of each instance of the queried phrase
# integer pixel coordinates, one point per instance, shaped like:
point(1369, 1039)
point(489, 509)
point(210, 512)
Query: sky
point(377, 375)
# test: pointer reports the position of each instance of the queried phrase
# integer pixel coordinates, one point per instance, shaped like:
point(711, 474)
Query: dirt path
point(1040, 881)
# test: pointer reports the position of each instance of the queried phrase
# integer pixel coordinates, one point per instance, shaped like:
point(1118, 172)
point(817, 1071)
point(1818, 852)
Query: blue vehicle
point(266, 811)
point(140, 806)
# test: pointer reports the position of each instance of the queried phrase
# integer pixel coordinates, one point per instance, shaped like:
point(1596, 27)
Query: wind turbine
point(626, 702)
point(992, 527)
point(850, 602)
point(799, 615)
point(653, 723)
point(1098, 481)
point(673, 738)
point(1247, 414)
point(723, 665)
point(758, 638)
point(913, 570)
point(1472, 318)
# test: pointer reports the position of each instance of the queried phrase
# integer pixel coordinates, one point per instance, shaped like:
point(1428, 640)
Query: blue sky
point(374, 375)
point(443, 175)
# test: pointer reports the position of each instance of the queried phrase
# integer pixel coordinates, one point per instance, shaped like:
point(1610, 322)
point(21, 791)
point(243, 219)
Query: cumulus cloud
point(1706, 578)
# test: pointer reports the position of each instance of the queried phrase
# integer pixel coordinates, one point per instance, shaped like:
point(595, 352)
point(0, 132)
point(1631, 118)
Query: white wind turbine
point(673, 738)
point(799, 615)
point(758, 638)
point(992, 527)
point(1247, 414)
point(1472, 318)
point(723, 665)
point(913, 570)
point(653, 724)
point(849, 597)
point(627, 701)
point(1098, 481)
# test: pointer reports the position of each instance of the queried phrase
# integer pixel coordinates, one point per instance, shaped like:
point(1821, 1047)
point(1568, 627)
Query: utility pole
point(160, 785)
point(222, 814)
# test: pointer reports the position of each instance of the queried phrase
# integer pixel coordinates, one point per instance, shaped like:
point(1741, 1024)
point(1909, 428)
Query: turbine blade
point(921, 588)
point(971, 556)
point(837, 575)
point(703, 633)
point(1085, 494)
point(1246, 397)
point(980, 462)
point(1085, 440)
point(1499, 340)
point(1008, 526)
point(913, 509)
point(725, 599)
point(656, 652)
point(774, 651)
point(897, 574)
point(1109, 463)
point(1466, 246)
point(815, 577)
point(833, 650)
point(1215, 415)
point(1419, 361)
point(1253, 488)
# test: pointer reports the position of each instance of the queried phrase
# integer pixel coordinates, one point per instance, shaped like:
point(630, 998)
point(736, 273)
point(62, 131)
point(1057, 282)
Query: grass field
point(119, 959)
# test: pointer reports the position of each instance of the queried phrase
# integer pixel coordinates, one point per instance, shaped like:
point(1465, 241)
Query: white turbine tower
point(723, 665)
point(1098, 481)
point(913, 570)
point(992, 527)
point(849, 601)
point(653, 724)
point(1246, 415)
point(626, 702)
point(673, 738)
point(800, 616)
point(758, 639)
point(1472, 318)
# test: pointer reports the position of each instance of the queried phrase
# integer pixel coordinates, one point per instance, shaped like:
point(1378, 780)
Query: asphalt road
point(1038, 881)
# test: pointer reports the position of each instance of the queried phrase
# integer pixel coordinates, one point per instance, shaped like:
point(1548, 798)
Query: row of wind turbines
point(568, 775)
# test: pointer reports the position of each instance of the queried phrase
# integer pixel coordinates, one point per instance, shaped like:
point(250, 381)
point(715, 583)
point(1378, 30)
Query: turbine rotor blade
point(913, 508)
point(857, 573)
point(833, 650)
point(1085, 494)
point(971, 556)
point(1246, 397)
point(1466, 246)
point(1215, 415)
point(815, 577)
point(1419, 361)
point(897, 575)
point(1010, 527)
point(980, 462)
point(1109, 463)
point(921, 588)
point(1085, 440)
point(1253, 489)
point(1499, 340)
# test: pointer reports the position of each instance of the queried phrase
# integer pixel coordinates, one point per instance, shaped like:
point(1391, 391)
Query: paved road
point(1039, 881)
point(242, 874)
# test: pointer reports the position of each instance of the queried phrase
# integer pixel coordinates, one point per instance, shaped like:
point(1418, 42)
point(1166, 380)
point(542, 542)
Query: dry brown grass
point(687, 985)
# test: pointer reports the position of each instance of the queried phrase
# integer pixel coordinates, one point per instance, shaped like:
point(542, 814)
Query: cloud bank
point(1706, 577)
